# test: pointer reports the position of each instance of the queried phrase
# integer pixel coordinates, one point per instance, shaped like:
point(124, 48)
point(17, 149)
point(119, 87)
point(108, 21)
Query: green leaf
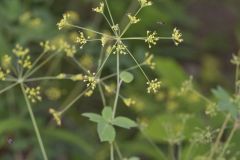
point(126, 77)
point(107, 113)
point(93, 117)
point(124, 122)
point(224, 101)
point(106, 132)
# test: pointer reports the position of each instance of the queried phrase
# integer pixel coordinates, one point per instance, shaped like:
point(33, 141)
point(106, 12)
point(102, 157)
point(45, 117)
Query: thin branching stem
point(8, 87)
point(34, 122)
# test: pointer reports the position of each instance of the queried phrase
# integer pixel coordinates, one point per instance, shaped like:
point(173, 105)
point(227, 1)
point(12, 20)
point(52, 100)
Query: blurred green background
point(211, 32)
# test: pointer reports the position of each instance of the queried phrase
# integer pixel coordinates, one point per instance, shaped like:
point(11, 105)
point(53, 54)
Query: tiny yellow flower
point(64, 21)
point(33, 94)
point(151, 38)
point(88, 93)
point(77, 77)
point(91, 80)
point(100, 8)
point(6, 61)
point(47, 46)
point(149, 60)
point(153, 86)
point(3, 74)
point(25, 62)
point(129, 102)
point(119, 48)
point(133, 19)
point(70, 50)
point(81, 40)
point(61, 76)
point(19, 51)
point(177, 36)
point(145, 3)
point(56, 115)
point(115, 27)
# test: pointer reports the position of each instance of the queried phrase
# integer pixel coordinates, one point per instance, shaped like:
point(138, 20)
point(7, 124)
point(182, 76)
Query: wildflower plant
point(19, 69)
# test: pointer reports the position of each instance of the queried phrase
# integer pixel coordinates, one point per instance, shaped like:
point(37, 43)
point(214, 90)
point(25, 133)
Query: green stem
point(229, 139)
point(8, 87)
point(111, 152)
point(34, 123)
point(213, 150)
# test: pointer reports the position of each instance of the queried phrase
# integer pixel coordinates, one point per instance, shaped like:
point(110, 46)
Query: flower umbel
point(3, 74)
point(119, 48)
point(64, 21)
point(177, 36)
point(145, 3)
point(153, 86)
point(151, 38)
point(91, 80)
point(33, 94)
point(100, 8)
point(81, 39)
point(47, 46)
point(6, 61)
point(133, 19)
point(56, 115)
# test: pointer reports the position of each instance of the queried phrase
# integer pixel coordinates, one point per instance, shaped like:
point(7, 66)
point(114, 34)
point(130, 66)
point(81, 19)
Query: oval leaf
point(126, 77)
point(124, 122)
point(107, 113)
point(93, 117)
point(106, 132)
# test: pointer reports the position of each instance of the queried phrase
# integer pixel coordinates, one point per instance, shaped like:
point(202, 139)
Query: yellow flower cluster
point(177, 36)
point(81, 39)
point(119, 48)
point(129, 102)
point(133, 19)
point(91, 80)
point(24, 59)
point(70, 50)
point(61, 76)
point(77, 77)
point(115, 28)
point(3, 73)
point(211, 109)
point(33, 94)
point(64, 21)
point(153, 86)
point(151, 38)
point(6, 61)
point(47, 46)
point(56, 115)
point(145, 3)
point(100, 8)
point(19, 51)
point(149, 60)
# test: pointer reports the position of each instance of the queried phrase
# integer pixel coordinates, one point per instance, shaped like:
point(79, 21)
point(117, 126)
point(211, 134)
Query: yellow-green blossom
point(91, 80)
point(47, 46)
point(81, 39)
point(64, 21)
point(77, 77)
point(177, 36)
point(33, 94)
point(19, 51)
point(153, 86)
point(151, 38)
point(129, 102)
point(61, 76)
point(119, 48)
point(145, 3)
point(6, 61)
point(3, 74)
point(133, 19)
point(56, 115)
point(100, 8)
